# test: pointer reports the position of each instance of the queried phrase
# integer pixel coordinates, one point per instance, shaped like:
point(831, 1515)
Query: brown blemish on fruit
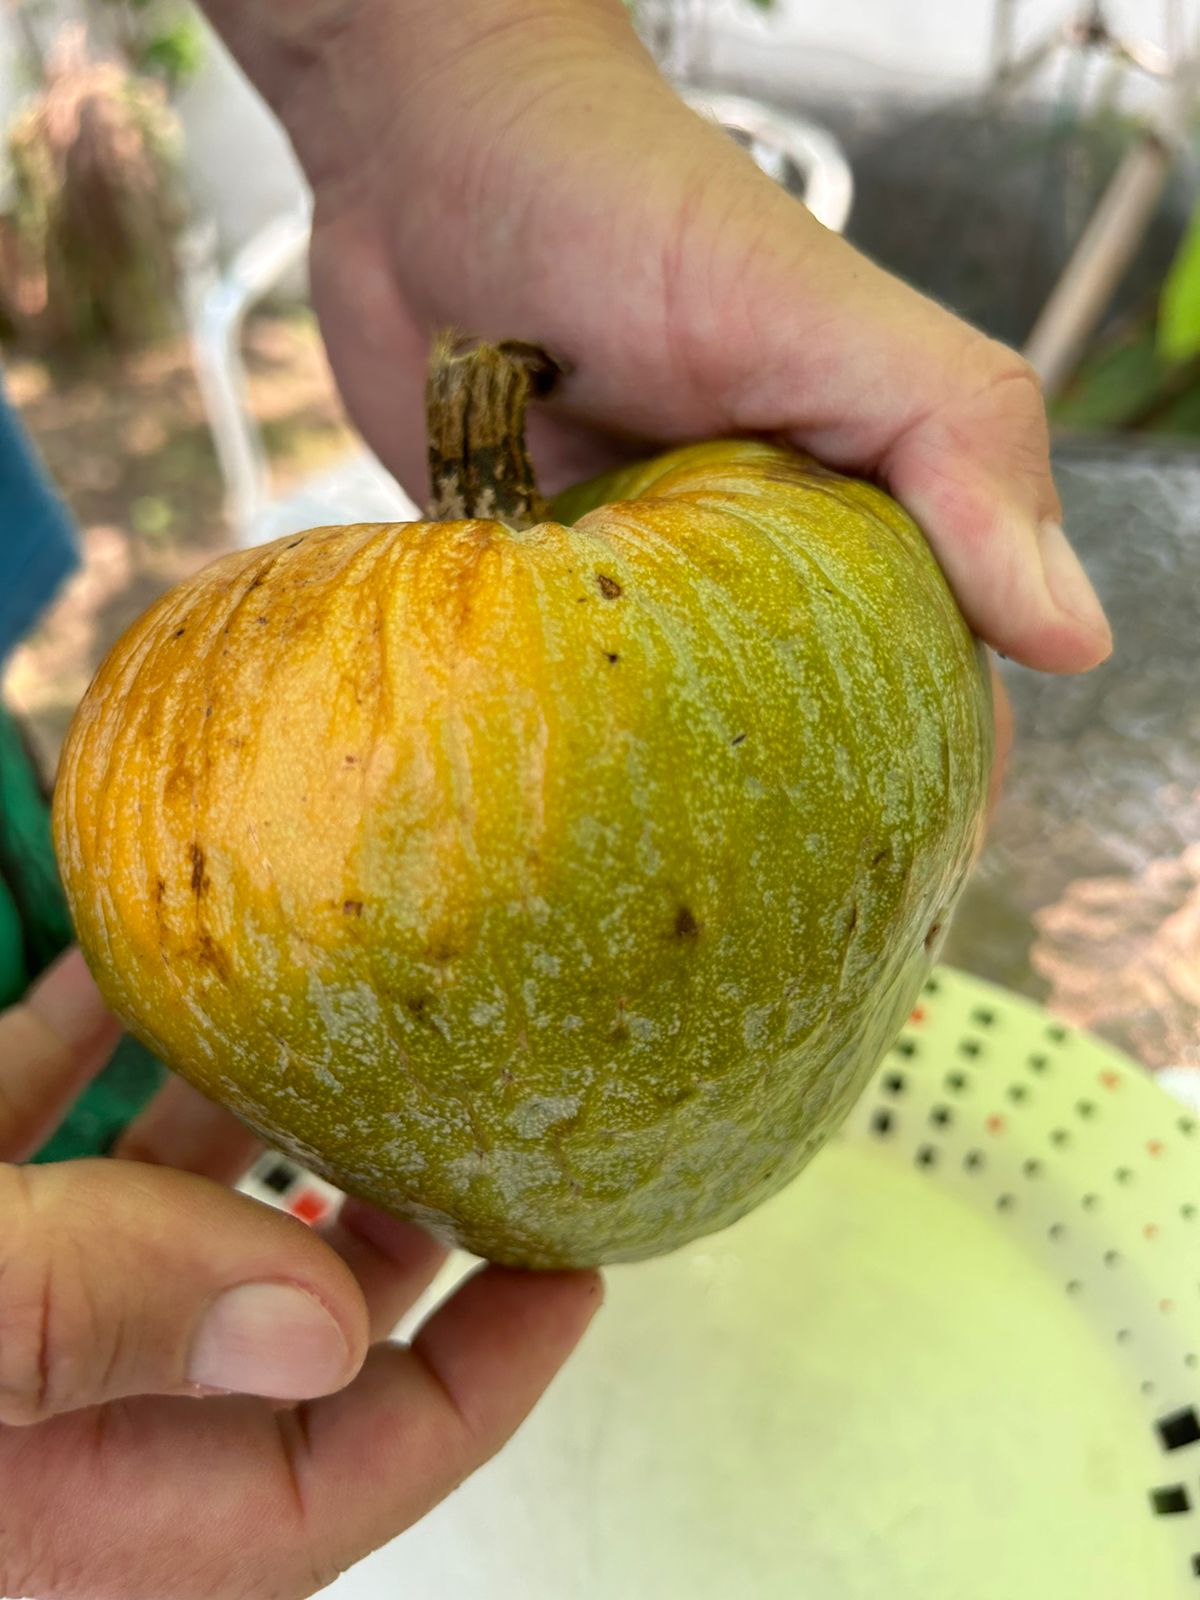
point(352, 908)
point(609, 587)
point(686, 926)
point(738, 738)
point(852, 921)
point(210, 954)
point(199, 881)
point(160, 890)
point(611, 657)
point(931, 936)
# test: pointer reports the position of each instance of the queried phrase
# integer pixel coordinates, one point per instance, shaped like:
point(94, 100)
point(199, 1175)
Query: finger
point(57, 1038)
point(182, 1128)
point(429, 1415)
point(1003, 713)
point(120, 1279)
point(393, 1260)
point(289, 1498)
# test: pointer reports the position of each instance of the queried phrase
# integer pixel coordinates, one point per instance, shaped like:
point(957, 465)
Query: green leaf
point(1179, 304)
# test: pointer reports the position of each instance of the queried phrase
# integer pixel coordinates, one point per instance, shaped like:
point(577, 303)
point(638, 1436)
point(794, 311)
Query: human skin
point(517, 169)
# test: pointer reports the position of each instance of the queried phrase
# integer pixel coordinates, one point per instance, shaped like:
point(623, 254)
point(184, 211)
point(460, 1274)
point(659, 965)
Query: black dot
point(973, 1160)
point(1191, 1359)
point(1170, 1501)
point(1059, 1136)
point(1005, 1202)
point(969, 1047)
point(1112, 1258)
point(956, 1082)
point(278, 1177)
point(1038, 1063)
point(1147, 1386)
point(1188, 1213)
point(1085, 1108)
point(1056, 1032)
point(983, 1016)
point(941, 1116)
point(927, 1156)
point(905, 1047)
point(1196, 1566)
point(1032, 1168)
point(932, 986)
point(1056, 1230)
point(1179, 1429)
point(1074, 1286)
point(1123, 1175)
point(882, 1122)
point(1123, 1335)
point(894, 1083)
point(1187, 1125)
point(1017, 1092)
point(1090, 1202)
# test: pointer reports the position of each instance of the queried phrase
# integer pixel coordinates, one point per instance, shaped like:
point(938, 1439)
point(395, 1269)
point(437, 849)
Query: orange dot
point(1166, 1305)
point(1150, 1231)
point(309, 1206)
point(994, 1124)
point(1155, 1147)
point(1110, 1080)
point(918, 1014)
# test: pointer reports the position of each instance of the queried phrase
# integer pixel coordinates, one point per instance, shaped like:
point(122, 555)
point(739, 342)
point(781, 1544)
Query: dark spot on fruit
point(179, 633)
point(738, 738)
point(931, 936)
point(852, 920)
point(256, 582)
point(581, 599)
point(686, 926)
point(416, 1004)
point(350, 761)
point(160, 890)
point(295, 542)
point(442, 951)
point(260, 619)
point(619, 1032)
point(609, 587)
point(211, 955)
point(611, 657)
point(881, 856)
point(199, 881)
point(234, 742)
point(208, 711)
point(352, 908)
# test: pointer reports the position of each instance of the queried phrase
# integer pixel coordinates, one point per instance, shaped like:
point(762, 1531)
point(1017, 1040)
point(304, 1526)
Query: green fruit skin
point(657, 818)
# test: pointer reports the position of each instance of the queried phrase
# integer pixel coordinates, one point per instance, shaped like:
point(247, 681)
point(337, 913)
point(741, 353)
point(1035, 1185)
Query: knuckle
point(45, 1321)
point(1002, 368)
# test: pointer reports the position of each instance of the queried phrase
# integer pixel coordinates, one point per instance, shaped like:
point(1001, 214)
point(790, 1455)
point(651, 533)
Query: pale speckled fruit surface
point(559, 888)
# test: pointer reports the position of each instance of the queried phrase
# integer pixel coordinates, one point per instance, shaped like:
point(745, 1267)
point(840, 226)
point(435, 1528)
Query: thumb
point(885, 381)
point(118, 1279)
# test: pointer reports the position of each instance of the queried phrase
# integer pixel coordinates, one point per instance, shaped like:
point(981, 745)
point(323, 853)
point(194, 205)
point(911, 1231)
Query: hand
point(129, 1290)
point(516, 168)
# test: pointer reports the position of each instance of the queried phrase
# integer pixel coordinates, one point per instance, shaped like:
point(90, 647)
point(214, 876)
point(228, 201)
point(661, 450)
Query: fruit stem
point(475, 400)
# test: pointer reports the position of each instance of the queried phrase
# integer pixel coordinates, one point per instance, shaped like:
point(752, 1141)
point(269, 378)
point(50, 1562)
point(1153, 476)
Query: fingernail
point(1069, 585)
point(269, 1339)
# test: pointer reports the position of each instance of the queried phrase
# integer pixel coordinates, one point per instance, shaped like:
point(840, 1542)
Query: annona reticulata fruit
point(559, 886)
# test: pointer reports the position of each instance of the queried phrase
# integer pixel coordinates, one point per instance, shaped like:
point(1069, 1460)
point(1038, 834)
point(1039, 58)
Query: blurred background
point(1031, 163)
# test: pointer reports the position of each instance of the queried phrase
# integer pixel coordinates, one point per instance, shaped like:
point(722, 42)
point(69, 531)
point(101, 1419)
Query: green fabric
point(35, 926)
